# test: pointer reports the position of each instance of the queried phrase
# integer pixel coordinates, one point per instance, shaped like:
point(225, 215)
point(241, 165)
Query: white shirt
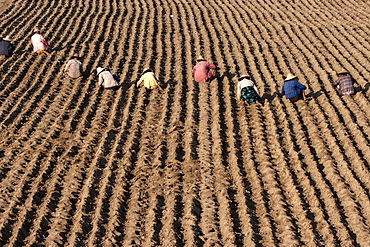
point(107, 80)
point(245, 83)
point(73, 68)
point(36, 40)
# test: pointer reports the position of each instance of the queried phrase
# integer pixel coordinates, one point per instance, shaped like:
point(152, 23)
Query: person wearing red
point(202, 71)
point(40, 45)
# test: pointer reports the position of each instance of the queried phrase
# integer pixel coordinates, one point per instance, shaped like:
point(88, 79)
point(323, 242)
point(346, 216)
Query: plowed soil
point(188, 165)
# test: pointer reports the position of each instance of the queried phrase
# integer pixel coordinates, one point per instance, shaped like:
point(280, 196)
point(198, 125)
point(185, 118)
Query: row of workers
point(247, 90)
point(292, 89)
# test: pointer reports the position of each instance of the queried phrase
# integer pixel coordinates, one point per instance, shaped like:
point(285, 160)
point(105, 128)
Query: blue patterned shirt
point(292, 88)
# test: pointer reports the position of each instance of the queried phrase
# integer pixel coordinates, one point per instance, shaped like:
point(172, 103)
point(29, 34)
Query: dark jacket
point(6, 48)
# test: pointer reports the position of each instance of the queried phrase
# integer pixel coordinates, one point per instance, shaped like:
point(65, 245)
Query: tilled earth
point(188, 165)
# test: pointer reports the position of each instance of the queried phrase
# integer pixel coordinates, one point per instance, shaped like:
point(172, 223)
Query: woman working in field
point(73, 68)
point(247, 91)
point(6, 48)
point(203, 70)
point(40, 45)
point(149, 80)
point(293, 90)
point(106, 79)
point(344, 84)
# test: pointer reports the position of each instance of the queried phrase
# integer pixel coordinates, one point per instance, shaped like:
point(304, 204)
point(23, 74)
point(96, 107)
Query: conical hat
point(99, 70)
point(244, 76)
point(290, 77)
point(7, 38)
point(343, 72)
point(146, 70)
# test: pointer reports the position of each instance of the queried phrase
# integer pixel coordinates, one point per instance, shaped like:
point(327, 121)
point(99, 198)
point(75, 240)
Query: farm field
point(188, 165)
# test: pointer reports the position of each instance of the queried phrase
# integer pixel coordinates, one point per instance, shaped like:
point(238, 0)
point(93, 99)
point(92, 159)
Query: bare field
point(189, 165)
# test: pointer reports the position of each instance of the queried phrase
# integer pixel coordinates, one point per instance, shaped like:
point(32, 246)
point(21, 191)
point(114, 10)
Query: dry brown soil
point(189, 165)
point(4, 4)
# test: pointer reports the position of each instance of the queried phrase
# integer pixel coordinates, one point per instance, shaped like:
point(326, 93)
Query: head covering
point(246, 76)
point(343, 72)
point(7, 38)
point(36, 29)
point(146, 70)
point(75, 56)
point(99, 70)
point(200, 58)
point(290, 77)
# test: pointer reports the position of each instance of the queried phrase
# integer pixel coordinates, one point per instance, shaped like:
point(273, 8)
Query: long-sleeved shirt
point(107, 80)
point(245, 83)
point(73, 68)
point(345, 85)
point(148, 79)
point(6, 48)
point(39, 42)
point(292, 88)
point(202, 71)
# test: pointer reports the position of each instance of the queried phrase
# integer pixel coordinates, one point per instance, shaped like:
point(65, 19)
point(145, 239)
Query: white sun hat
point(99, 70)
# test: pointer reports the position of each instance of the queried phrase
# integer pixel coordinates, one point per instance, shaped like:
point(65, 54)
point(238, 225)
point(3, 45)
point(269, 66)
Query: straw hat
point(36, 29)
point(200, 58)
point(7, 38)
point(244, 77)
point(290, 77)
point(146, 70)
point(99, 70)
point(343, 72)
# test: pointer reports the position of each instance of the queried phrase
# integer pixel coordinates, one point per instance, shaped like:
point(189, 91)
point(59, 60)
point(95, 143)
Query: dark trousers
point(297, 97)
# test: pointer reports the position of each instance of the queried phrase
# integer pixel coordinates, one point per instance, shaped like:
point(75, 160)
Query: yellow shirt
point(149, 80)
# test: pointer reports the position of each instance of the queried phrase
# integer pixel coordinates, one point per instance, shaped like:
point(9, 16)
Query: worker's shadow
point(230, 76)
point(169, 83)
point(58, 48)
point(316, 94)
point(67, 46)
point(125, 86)
point(270, 97)
point(363, 90)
